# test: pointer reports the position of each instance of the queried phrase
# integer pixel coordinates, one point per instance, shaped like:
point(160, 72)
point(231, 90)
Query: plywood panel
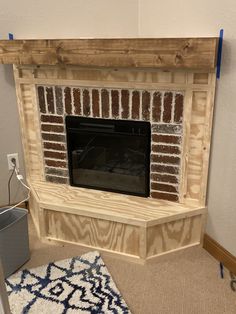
point(30, 130)
point(188, 53)
point(34, 210)
point(73, 75)
point(198, 128)
point(129, 209)
point(92, 232)
point(173, 235)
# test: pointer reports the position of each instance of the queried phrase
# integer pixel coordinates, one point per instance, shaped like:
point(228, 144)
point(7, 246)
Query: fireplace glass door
point(111, 155)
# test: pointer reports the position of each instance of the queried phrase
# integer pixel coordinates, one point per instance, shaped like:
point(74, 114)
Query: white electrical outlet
point(9, 159)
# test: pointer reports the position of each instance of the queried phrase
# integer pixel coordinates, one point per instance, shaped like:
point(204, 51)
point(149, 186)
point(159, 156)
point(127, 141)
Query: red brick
point(53, 137)
point(164, 187)
point(55, 155)
point(68, 100)
point(115, 103)
point(156, 107)
point(55, 163)
point(50, 99)
point(165, 149)
point(41, 98)
point(52, 128)
point(125, 103)
point(178, 111)
point(54, 146)
point(135, 105)
point(146, 105)
point(95, 102)
point(164, 178)
point(165, 196)
point(167, 107)
point(165, 169)
point(86, 102)
point(51, 119)
point(77, 102)
point(169, 139)
point(105, 103)
point(59, 100)
point(165, 159)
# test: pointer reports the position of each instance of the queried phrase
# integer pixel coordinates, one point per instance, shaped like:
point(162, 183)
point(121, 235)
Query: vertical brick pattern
point(86, 103)
point(41, 99)
point(95, 103)
point(105, 103)
point(146, 105)
point(115, 103)
point(167, 107)
point(50, 99)
point(68, 100)
point(135, 104)
point(156, 106)
point(179, 106)
point(125, 104)
point(164, 110)
point(59, 100)
point(77, 101)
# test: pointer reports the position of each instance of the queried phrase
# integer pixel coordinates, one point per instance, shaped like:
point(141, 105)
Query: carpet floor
point(185, 282)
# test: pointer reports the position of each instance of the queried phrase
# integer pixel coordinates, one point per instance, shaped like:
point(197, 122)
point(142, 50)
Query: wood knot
point(158, 59)
point(186, 47)
point(178, 58)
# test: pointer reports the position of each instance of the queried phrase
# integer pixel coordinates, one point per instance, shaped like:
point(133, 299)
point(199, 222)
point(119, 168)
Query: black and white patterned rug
point(77, 285)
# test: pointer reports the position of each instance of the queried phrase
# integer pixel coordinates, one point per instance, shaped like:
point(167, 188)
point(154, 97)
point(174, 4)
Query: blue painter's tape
point(219, 56)
point(10, 36)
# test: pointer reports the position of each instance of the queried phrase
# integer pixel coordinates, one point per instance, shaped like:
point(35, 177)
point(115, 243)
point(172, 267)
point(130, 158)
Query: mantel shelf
point(165, 53)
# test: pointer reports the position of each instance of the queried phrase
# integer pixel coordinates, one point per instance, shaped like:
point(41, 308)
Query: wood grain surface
point(188, 53)
point(173, 235)
point(128, 209)
point(93, 232)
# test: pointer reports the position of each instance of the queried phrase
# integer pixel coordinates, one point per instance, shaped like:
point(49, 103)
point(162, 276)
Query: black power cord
point(9, 181)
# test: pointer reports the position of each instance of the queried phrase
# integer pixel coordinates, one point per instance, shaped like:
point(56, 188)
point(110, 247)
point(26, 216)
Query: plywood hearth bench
point(168, 83)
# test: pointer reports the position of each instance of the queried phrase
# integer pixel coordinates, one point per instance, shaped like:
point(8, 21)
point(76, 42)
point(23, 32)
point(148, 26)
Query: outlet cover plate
point(10, 164)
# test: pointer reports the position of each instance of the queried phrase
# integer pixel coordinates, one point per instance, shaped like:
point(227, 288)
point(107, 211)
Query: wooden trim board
point(185, 53)
point(219, 253)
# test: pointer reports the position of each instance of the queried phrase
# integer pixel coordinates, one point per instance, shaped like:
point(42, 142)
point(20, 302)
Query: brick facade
point(164, 110)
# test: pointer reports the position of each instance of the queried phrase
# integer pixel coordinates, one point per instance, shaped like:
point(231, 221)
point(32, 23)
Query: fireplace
point(156, 113)
point(111, 155)
point(168, 83)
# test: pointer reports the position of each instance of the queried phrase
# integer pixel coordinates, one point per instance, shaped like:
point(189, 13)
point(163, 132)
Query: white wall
point(10, 141)
point(69, 18)
point(147, 18)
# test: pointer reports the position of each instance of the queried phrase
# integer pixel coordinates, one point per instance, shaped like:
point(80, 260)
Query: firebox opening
point(110, 155)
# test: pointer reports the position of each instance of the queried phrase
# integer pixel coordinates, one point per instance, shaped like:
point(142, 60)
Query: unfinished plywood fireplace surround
point(167, 82)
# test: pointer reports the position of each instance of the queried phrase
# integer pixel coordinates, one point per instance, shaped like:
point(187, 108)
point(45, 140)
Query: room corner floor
point(185, 282)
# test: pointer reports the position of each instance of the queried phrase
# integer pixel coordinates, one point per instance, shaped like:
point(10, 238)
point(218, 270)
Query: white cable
point(19, 178)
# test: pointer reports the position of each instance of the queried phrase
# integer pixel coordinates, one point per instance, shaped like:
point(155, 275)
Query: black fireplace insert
point(110, 155)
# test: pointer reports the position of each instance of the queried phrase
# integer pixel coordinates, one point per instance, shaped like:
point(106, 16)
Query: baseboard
point(219, 253)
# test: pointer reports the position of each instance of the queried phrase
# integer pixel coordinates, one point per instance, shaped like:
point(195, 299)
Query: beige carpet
point(186, 282)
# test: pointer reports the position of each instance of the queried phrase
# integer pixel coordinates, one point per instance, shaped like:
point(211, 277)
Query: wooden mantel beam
point(169, 53)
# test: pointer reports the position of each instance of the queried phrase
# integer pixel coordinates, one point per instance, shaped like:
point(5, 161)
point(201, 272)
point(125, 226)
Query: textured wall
point(149, 18)
point(10, 141)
